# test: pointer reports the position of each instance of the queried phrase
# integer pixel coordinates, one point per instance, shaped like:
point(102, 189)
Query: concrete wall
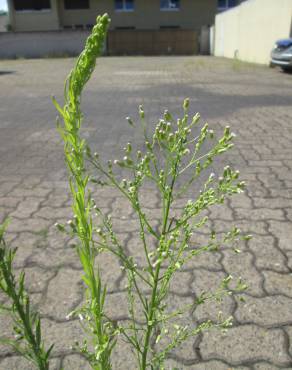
point(147, 15)
point(249, 31)
point(41, 44)
point(3, 23)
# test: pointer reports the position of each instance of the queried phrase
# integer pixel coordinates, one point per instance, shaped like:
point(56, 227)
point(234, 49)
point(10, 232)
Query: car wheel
point(286, 69)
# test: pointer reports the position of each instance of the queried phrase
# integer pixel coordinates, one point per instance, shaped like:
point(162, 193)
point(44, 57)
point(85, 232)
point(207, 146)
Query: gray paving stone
point(259, 214)
point(75, 362)
point(276, 283)
point(26, 208)
point(64, 294)
point(267, 254)
point(282, 230)
point(241, 266)
point(19, 363)
point(241, 201)
point(248, 343)
point(265, 311)
point(272, 203)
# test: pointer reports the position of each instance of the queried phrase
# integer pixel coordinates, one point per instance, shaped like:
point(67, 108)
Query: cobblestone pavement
point(255, 101)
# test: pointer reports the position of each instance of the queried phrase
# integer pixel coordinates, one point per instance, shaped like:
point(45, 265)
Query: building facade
point(48, 15)
point(137, 26)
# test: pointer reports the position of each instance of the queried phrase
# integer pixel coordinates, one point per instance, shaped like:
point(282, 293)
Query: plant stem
point(150, 325)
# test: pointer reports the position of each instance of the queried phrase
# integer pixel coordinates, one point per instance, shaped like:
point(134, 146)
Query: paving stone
point(270, 181)
point(208, 365)
point(272, 203)
point(29, 224)
point(289, 256)
point(36, 279)
point(204, 260)
point(75, 362)
point(26, 244)
point(56, 213)
point(122, 207)
point(180, 284)
point(122, 354)
point(116, 306)
point(256, 227)
point(281, 193)
point(267, 255)
point(276, 283)
point(241, 266)
point(19, 363)
point(282, 173)
point(248, 343)
point(7, 187)
point(23, 192)
point(56, 200)
point(282, 231)
point(240, 201)
point(26, 208)
point(259, 214)
point(110, 270)
point(65, 292)
point(148, 199)
point(221, 212)
point(9, 202)
point(288, 330)
point(289, 214)
point(266, 366)
point(50, 258)
point(265, 311)
point(135, 247)
point(209, 282)
point(121, 226)
point(63, 335)
point(266, 163)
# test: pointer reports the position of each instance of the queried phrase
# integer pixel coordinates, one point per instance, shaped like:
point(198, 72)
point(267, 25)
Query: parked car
point(281, 54)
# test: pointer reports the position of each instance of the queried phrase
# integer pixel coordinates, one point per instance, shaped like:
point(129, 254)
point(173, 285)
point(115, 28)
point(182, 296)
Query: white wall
point(249, 31)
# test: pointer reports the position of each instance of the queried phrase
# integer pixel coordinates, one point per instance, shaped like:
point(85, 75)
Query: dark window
point(32, 4)
point(124, 5)
point(76, 4)
point(169, 27)
point(225, 4)
point(169, 4)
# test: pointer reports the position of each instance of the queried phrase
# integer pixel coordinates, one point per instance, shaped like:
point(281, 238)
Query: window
point(124, 5)
point(22, 5)
point(226, 4)
point(169, 4)
point(76, 4)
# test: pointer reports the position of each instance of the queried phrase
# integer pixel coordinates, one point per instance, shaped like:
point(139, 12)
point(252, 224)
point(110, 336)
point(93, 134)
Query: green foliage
point(26, 322)
point(171, 159)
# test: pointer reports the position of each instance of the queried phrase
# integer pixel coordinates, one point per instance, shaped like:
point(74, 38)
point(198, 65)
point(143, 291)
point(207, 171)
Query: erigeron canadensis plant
point(172, 159)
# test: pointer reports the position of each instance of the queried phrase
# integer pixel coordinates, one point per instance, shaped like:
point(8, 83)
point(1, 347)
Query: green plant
point(171, 159)
point(27, 339)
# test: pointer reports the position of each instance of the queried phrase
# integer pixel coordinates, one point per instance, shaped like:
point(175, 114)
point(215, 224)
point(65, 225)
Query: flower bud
point(186, 103)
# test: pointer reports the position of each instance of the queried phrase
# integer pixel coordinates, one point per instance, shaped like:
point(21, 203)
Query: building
point(137, 26)
point(48, 15)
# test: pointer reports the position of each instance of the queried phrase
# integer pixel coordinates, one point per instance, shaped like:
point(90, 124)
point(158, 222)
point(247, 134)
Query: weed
point(171, 159)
